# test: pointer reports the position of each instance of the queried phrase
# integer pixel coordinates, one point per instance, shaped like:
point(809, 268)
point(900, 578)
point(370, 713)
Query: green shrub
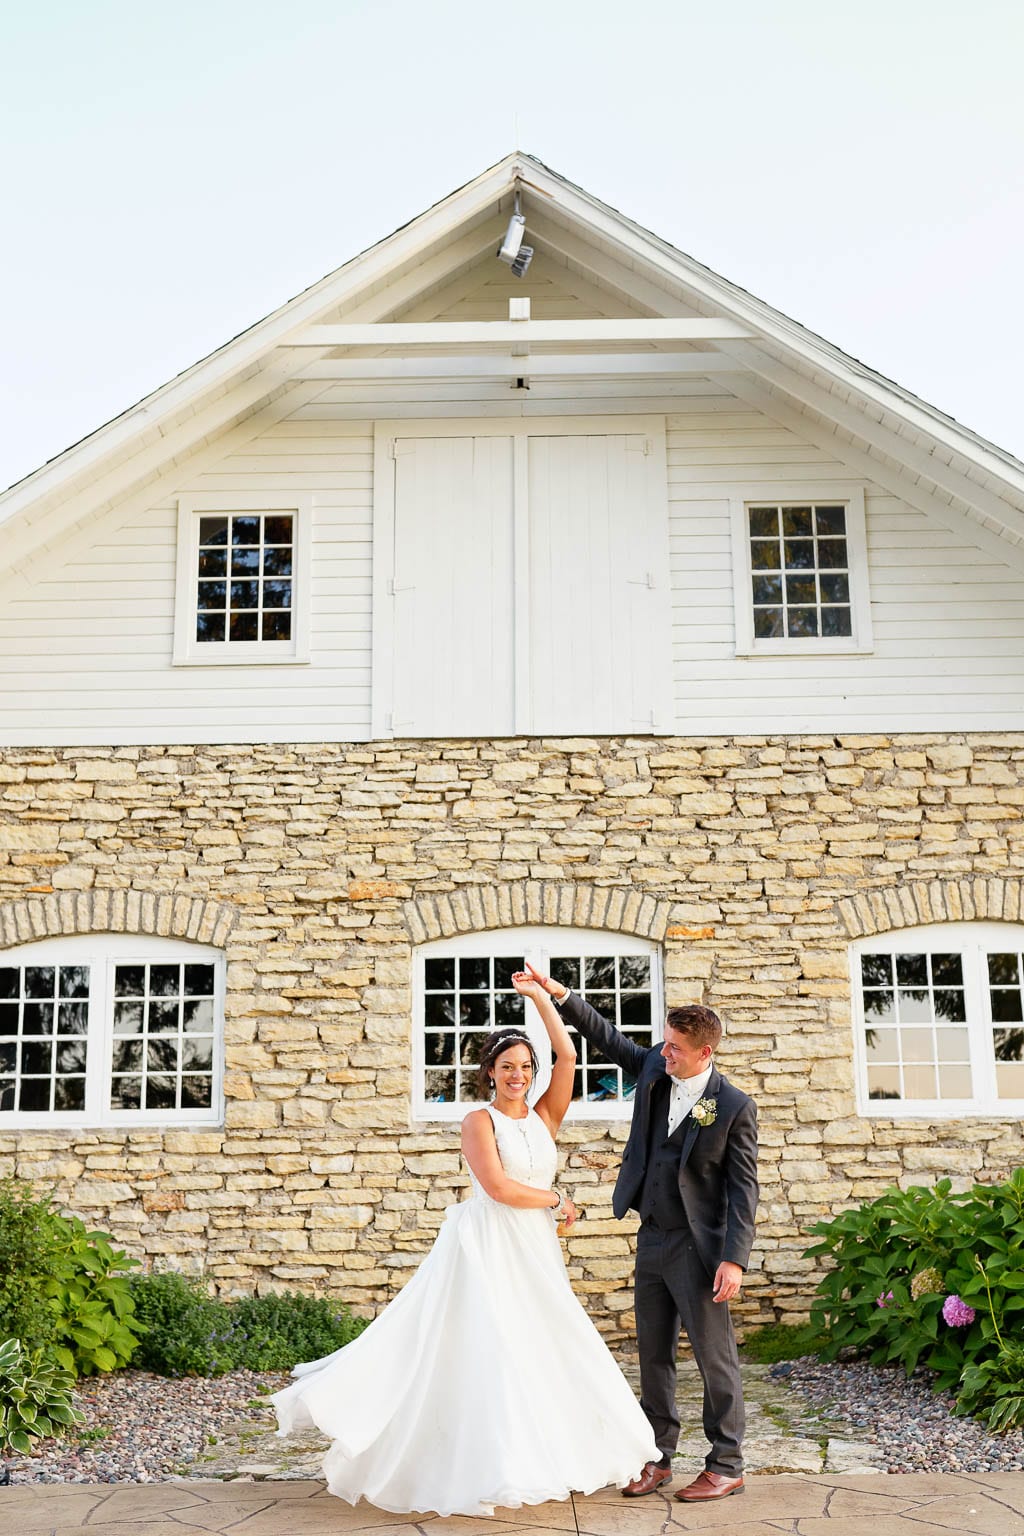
point(272, 1333)
point(59, 1286)
point(35, 1397)
point(190, 1333)
point(881, 1300)
point(186, 1331)
point(29, 1245)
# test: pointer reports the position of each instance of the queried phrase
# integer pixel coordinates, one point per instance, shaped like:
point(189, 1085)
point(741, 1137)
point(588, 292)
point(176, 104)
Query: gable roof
point(881, 430)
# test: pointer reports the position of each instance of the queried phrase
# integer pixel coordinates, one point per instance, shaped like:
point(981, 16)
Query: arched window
point(462, 991)
point(939, 1020)
point(111, 1029)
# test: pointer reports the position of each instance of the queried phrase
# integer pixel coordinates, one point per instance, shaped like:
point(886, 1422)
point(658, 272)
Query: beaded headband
point(505, 1039)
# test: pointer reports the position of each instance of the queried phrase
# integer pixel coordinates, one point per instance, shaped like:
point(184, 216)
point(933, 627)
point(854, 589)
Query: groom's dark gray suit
point(696, 1193)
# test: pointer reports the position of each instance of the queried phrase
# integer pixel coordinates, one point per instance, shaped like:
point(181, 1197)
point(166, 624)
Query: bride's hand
point(570, 1214)
point(527, 985)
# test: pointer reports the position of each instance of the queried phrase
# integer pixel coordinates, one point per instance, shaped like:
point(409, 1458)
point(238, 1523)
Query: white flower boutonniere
point(705, 1112)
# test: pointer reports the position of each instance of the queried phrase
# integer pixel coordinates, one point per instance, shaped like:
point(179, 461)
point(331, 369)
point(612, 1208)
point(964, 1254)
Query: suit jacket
point(717, 1163)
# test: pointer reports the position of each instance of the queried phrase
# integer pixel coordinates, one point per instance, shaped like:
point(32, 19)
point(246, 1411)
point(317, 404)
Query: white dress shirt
point(685, 1093)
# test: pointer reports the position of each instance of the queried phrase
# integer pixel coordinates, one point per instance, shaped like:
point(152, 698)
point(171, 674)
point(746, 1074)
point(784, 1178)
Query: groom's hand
point(728, 1279)
point(545, 983)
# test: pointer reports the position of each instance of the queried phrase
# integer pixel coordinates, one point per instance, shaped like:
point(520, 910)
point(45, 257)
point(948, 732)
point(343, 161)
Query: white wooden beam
point(539, 365)
point(501, 333)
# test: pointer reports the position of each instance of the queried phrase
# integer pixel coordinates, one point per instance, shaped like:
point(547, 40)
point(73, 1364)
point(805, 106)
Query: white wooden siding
point(85, 649)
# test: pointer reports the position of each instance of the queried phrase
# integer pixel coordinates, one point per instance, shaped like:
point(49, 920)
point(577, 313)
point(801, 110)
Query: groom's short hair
point(702, 1025)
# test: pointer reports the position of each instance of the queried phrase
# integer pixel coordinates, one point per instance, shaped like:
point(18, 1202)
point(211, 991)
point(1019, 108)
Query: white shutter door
point(452, 587)
point(594, 608)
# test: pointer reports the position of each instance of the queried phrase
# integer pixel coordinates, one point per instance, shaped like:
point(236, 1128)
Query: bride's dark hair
point(496, 1045)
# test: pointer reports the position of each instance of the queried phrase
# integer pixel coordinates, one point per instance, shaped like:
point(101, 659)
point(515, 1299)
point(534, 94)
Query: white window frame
point(383, 726)
point(536, 944)
point(972, 941)
point(851, 495)
point(101, 952)
point(190, 652)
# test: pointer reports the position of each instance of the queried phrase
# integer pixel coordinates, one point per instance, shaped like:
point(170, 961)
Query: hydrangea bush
point(934, 1278)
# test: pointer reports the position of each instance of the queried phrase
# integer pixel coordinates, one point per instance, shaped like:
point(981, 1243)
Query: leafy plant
point(186, 1331)
point(874, 1300)
point(996, 1385)
point(189, 1332)
point(35, 1397)
point(59, 1285)
point(273, 1332)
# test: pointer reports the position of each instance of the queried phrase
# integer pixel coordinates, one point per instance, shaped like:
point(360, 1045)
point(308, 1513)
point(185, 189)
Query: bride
point(484, 1382)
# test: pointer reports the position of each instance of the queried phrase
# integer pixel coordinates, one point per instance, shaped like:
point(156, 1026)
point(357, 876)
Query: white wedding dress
point(484, 1382)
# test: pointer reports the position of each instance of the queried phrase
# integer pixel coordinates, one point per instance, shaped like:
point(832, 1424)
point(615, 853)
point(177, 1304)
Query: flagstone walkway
point(911, 1504)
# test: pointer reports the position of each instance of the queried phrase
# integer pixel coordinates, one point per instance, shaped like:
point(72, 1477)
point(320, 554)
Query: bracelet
point(557, 1211)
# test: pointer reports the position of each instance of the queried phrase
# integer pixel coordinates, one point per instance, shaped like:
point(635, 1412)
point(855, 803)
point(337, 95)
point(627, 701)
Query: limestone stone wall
point(318, 868)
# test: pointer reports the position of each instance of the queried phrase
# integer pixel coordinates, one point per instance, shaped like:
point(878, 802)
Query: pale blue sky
point(174, 171)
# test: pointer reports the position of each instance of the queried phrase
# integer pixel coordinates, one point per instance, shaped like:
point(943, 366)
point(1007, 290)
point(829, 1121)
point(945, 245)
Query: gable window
point(110, 1030)
point(522, 579)
point(801, 574)
point(940, 1020)
point(242, 584)
point(462, 990)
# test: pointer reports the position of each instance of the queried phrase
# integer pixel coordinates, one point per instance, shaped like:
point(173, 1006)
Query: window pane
point(72, 1018)
point(797, 522)
point(947, 970)
point(277, 562)
point(439, 1087)
point(884, 1083)
point(277, 594)
point(799, 554)
point(40, 980)
point(765, 555)
point(197, 1092)
point(161, 1093)
point(210, 626)
point(6, 1093)
point(438, 974)
point(35, 1093)
point(10, 1018)
point(1009, 1044)
point(803, 623)
point(882, 1046)
point(276, 626)
point(127, 1018)
point(213, 530)
point(73, 981)
point(439, 1011)
point(598, 971)
point(71, 1056)
point(767, 589)
point(1006, 1005)
point(832, 555)
point(634, 971)
point(471, 1048)
point(10, 981)
point(244, 626)
point(197, 1016)
point(769, 623)
point(509, 1011)
point(212, 563)
point(955, 1083)
point(504, 966)
point(1004, 970)
point(199, 981)
point(161, 1055)
point(919, 1082)
point(566, 972)
point(245, 562)
point(950, 1005)
point(277, 528)
point(439, 1050)
point(879, 1005)
point(245, 530)
point(952, 1045)
point(197, 1054)
point(801, 589)
point(37, 1057)
point(1010, 1080)
point(830, 520)
point(127, 1055)
point(835, 587)
point(475, 1012)
point(126, 1093)
point(164, 980)
point(474, 973)
point(69, 1093)
point(8, 1057)
point(912, 970)
point(162, 1018)
point(37, 1019)
point(764, 522)
point(876, 970)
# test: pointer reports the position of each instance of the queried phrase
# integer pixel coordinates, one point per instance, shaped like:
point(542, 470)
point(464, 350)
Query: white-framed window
point(111, 1029)
point(462, 991)
point(800, 560)
point(521, 578)
point(939, 1020)
point(242, 587)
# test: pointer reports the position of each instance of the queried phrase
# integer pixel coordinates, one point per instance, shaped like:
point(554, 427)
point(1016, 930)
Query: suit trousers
point(672, 1288)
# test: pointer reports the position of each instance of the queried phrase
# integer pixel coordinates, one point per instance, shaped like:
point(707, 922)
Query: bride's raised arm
point(555, 1100)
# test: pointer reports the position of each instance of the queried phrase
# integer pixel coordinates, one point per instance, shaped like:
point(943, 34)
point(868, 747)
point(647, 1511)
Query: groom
point(690, 1172)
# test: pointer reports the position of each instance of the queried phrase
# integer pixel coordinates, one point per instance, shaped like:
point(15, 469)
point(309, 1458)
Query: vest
point(660, 1201)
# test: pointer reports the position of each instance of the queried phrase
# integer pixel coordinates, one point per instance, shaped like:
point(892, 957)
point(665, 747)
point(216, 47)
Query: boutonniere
point(705, 1111)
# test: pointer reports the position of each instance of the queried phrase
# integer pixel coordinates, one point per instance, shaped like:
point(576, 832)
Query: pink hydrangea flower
point(885, 1299)
point(957, 1313)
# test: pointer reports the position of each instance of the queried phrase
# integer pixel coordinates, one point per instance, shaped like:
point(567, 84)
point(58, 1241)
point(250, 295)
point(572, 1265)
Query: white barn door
point(452, 587)
point(597, 651)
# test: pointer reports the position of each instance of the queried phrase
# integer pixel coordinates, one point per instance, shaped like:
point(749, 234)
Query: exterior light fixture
point(512, 251)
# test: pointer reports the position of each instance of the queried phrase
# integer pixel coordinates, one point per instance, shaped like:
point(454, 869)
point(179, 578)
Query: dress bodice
point(527, 1152)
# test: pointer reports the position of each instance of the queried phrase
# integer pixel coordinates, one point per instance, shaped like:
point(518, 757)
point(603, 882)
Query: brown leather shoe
point(650, 1478)
point(710, 1485)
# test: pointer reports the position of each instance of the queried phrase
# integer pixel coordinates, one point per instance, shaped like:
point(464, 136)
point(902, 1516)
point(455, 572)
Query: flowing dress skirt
point(483, 1383)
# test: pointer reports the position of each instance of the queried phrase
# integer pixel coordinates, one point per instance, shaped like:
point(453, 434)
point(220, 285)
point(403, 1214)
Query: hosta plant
point(35, 1397)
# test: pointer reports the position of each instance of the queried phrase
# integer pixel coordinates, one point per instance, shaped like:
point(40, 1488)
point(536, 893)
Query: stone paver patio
point(914, 1504)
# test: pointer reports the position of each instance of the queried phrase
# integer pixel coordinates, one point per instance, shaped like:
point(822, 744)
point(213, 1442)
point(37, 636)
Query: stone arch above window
point(514, 904)
point(976, 899)
point(200, 919)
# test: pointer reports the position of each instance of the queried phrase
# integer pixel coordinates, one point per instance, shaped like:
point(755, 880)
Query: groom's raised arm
point(594, 1027)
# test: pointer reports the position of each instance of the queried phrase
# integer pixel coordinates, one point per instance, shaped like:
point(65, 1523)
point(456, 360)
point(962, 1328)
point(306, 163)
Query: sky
point(172, 172)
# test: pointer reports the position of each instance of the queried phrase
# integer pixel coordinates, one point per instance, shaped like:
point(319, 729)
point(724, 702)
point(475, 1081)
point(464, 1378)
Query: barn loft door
point(452, 587)
point(527, 584)
point(593, 584)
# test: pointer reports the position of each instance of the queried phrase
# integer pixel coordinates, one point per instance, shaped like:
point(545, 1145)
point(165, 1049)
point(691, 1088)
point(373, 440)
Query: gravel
point(914, 1427)
point(141, 1428)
